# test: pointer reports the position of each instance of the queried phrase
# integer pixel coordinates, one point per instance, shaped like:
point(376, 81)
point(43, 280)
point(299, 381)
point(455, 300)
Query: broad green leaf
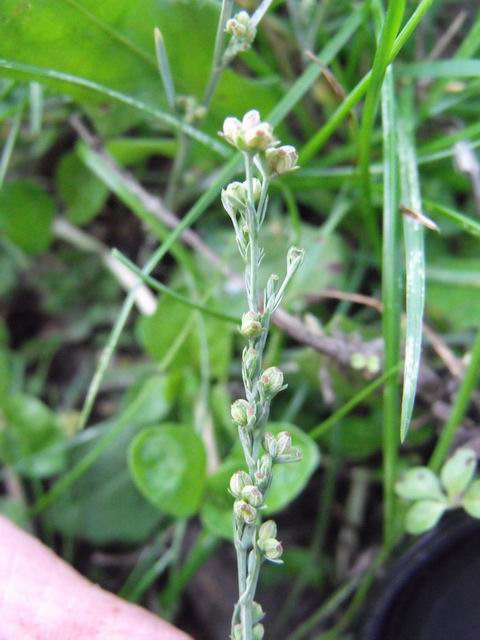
point(288, 481)
point(453, 292)
point(82, 193)
point(424, 515)
point(29, 427)
point(104, 506)
point(471, 500)
point(168, 466)
point(458, 471)
point(26, 214)
point(419, 484)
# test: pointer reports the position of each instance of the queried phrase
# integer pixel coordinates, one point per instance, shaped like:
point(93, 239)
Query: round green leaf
point(26, 214)
point(424, 515)
point(168, 466)
point(288, 482)
point(471, 500)
point(458, 471)
point(419, 483)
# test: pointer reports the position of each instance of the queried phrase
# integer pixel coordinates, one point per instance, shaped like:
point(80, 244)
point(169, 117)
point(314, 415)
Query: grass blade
point(459, 408)
point(391, 25)
point(462, 221)
point(9, 145)
point(414, 259)
point(161, 288)
point(31, 72)
point(391, 293)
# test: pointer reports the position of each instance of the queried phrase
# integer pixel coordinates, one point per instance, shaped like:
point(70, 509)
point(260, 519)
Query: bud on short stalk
point(238, 482)
point(242, 412)
point(282, 159)
point(271, 548)
point(251, 325)
point(244, 512)
point(252, 495)
point(272, 382)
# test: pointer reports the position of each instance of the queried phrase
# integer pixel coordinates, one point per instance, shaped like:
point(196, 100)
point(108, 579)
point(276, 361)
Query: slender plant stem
point(217, 67)
point(459, 408)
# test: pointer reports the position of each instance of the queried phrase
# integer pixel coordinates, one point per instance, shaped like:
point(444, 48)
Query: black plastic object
point(433, 591)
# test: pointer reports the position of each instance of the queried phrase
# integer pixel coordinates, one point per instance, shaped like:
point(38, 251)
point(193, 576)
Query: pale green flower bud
point(471, 499)
point(242, 412)
point(272, 381)
point(265, 465)
point(252, 495)
point(258, 632)
point(241, 27)
point(234, 195)
point(244, 512)
point(282, 159)
point(295, 258)
point(251, 325)
point(257, 612)
point(284, 443)
point(237, 632)
point(251, 361)
point(291, 455)
point(256, 188)
point(260, 137)
point(238, 482)
point(270, 444)
point(272, 548)
point(232, 131)
point(267, 530)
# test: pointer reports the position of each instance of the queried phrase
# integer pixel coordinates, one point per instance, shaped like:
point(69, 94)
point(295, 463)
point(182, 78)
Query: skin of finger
point(43, 598)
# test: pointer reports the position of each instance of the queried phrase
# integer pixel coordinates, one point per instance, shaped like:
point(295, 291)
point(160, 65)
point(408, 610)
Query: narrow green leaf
point(414, 261)
point(440, 69)
point(9, 145)
point(391, 293)
point(32, 72)
point(469, 225)
point(383, 54)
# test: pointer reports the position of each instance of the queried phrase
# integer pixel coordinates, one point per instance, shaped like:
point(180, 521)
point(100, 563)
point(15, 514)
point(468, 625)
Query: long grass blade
point(391, 293)
point(414, 260)
point(460, 406)
point(469, 225)
point(31, 72)
point(9, 145)
point(391, 26)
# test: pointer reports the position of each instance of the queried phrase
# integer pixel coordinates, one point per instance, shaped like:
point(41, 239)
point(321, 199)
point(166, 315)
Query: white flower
point(282, 159)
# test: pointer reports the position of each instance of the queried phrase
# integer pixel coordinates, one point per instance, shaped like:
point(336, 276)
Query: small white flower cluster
point(243, 33)
point(253, 135)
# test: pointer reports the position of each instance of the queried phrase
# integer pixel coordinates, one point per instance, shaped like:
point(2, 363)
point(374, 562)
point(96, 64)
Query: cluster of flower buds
point(248, 500)
point(190, 108)
point(242, 412)
point(280, 447)
point(243, 32)
point(251, 134)
point(235, 195)
point(267, 541)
